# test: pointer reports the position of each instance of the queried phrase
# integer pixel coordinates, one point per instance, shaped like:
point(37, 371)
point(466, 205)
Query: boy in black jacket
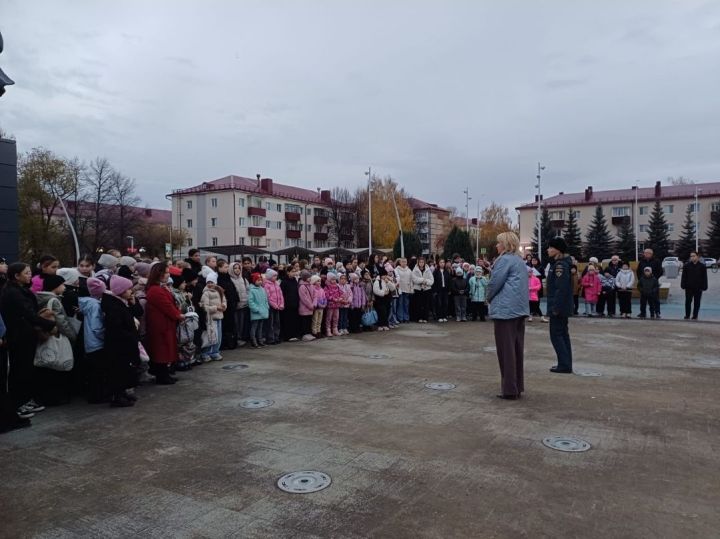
point(459, 289)
point(649, 288)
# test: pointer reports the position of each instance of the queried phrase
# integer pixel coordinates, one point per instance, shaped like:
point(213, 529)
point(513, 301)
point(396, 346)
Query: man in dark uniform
point(648, 260)
point(560, 303)
point(694, 281)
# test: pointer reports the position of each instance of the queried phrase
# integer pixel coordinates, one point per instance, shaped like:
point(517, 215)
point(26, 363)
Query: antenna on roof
point(258, 178)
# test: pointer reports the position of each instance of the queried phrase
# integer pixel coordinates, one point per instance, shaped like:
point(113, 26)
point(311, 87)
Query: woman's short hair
point(509, 241)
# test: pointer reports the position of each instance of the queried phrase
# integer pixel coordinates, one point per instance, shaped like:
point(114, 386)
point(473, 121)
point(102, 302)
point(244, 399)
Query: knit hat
point(96, 287)
point(270, 273)
point(593, 260)
point(558, 243)
point(71, 275)
point(212, 278)
point(119, 285)
point(458, 271)
point(127, 261)
point(108, 261)
point(142, 269)
point(354, 277)
point(175, 271)
point(478, 269)
point(305, 275)
point(189, 275)
point(315, 279)
point(331, 276)
point(51, 282)
point(254, 277)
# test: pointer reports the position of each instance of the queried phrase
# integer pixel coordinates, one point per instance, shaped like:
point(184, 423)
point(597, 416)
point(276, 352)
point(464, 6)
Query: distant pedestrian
point(560, 304)
point(694, 281)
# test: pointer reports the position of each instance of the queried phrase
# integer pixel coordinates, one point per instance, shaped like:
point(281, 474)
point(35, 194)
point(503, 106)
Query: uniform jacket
point(274, 295)
point(694, 276)
point(258, 303)
point(534, 286)
point(591, 287)
point(559, 288)
point(306, 295)
point(507, 290)
point(161, 319)
point(422, 280)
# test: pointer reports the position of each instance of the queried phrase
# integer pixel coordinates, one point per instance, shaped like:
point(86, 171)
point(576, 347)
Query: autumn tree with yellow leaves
point(384, 222)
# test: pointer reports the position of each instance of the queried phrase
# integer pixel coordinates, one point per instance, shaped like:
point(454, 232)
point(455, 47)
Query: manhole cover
point(586, 372)
point(379, 356)
point(566, 443)
point(256, 403)
point(233, 366)
point(708, 362)
point(304, 482)
point(442, 386)
point(489, 349)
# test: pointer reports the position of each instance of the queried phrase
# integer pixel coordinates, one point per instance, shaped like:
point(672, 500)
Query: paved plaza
point(405, 461)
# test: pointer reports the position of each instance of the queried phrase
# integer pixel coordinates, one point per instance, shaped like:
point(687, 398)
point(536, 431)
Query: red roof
point(147, 215)
point(251, 186)
point(644, 194)
point(416, 204)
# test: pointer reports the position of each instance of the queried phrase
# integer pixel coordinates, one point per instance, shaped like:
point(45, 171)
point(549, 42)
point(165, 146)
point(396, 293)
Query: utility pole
point(477, 238)
point(540, 168)
point(635, 219)
point(468, 198)
point(402, 240)
point(369, 175)
point(697, 222)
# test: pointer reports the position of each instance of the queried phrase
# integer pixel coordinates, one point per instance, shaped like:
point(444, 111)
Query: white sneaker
point(308, 337)
point(529, 319)
point(293, 339)
point(24, 413)
point(544, 319)
point(32, 406)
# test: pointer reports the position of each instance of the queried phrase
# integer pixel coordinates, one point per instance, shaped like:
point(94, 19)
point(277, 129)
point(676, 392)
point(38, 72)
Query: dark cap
point(559, 244)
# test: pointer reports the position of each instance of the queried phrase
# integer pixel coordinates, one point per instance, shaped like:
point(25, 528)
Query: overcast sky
point(439, 95)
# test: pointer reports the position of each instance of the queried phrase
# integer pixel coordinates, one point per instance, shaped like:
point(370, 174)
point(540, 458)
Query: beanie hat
point(96, 287)
point(458, 271)
point(354, 277)
point(559, 244)
point(315, 279)
point(119, 285)
point(175, 271)
point(108, 261)
point(593, 260)
point(142, 269)
point(212, 277)
point(71, 275)
point(305, 275)
point(270, 273)
point(331, 276)
point(127, 261)
point(51, 282)
point(189, 275)
point(255, 276)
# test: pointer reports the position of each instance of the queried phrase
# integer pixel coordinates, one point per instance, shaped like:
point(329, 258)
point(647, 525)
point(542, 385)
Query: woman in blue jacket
point(507, 293)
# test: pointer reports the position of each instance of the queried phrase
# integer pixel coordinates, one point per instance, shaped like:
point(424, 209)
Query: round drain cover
point(708, 362)
point(256, 403)
point(566, 443)
point(233, 366)
point(379, 356)
point(304, 482)
point(442, 386)
point(586, 372)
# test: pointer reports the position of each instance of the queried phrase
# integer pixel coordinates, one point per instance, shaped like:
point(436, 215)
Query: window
point(644, 210)
point(621, 211)
point(241, 202)
point(241, 240)
point(670, 227)
point(256, 220)
point(293, 208)
point(267, 224)
point(692, 207)
point(309, 244)
point(278, 243)
point(644, 228)
point(309, 211)
point(189, 223)
point(189, 204)
point(278, 225)
point(292, 242)
point(214, 242)
point(213, 221)
point(577, 214)
point(557, 215)
point(268, 206)
point(255, 202)
point(189, 242)
point(668, 209)
point(715, 206)
point(309, 229)
point(242, 221)
point(213, 202)
point(255, 241)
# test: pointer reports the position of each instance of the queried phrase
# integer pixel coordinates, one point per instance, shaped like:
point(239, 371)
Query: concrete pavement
point(188, 461)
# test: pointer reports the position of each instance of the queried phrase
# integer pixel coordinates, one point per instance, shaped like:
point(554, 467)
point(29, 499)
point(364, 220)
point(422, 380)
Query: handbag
point(186, 329)
point(56, 353)
point(369, 318)
point(144, 357)
point(209, 336)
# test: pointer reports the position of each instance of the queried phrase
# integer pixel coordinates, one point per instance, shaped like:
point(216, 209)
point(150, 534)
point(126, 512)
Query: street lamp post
point(635, 220)
point(697, 221)
point(369, 175)
point(468, 198)
point(538, 219)
point(397, 215)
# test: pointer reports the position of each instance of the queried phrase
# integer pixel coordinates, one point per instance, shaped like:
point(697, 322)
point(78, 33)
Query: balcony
point(621, 220)
point(293, 234)
point(256, 211)
point(557, 223)
point(320, 236)
point(292, 216)
point(347, 237)
point(320, 220)
point(256, 230)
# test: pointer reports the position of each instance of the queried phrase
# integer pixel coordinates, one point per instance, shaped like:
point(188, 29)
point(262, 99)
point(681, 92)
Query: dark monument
point(9, 228)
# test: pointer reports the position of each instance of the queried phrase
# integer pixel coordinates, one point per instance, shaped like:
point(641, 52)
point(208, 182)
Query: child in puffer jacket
point(277, 304)
point(320, 304)
point(478, 285)
point(334, 295)
point(359, 300)
point(346, 300)
point(306, 293)
point(591, 289)
point(534, 286)
point(624, 283)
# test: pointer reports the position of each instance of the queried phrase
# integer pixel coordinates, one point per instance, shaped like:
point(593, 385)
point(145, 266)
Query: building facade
point(632, 205)
point(431, 224)
point(241, 211)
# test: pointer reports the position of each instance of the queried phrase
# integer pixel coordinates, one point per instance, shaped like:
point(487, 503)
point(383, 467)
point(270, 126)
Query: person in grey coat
point(508, 295)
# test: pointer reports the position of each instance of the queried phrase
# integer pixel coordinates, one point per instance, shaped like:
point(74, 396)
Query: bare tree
point(98, 185)
point(342, 215)
point(679, 180)
point(125, 203)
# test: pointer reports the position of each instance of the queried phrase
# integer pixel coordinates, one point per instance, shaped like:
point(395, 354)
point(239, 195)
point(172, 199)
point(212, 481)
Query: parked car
point(672, 261)
point(709, 261)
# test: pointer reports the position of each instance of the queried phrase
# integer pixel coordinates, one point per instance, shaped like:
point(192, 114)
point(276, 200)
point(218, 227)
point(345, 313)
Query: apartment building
point(626, 205)
point(431, 223)
point(234, 210)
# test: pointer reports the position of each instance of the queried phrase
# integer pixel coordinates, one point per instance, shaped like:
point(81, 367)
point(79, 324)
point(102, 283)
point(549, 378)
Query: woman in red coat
point(161, 319)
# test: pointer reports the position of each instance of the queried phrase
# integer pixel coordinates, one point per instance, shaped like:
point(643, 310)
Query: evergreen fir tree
point(458, 241)
point(572, 235)
point(626, 242)
point(658, 232)
point(411, 241)
point(598, 242)
point(547, 233)
point(713, 243)
point(686, 243)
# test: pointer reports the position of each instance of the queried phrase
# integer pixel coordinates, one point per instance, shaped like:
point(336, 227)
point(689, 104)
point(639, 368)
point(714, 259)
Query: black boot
point(162, 375)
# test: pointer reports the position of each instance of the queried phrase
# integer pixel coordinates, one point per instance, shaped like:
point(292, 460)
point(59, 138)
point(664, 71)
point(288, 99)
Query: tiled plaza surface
point(405, 461)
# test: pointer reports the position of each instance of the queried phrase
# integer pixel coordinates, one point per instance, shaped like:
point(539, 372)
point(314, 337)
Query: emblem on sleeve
point(559, 271)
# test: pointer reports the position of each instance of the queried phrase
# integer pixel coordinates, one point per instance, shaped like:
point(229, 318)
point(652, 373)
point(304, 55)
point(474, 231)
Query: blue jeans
point(393, 318)
point(560, 339)
point(213, 350)
point(403, 308)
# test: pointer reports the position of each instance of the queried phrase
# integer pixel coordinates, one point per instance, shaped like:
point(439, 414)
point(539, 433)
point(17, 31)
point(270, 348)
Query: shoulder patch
point(559, 270)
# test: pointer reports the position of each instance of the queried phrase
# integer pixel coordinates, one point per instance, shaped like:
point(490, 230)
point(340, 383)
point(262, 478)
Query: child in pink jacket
point(306, 292)
point(534, 286)
point(320, 304)
point(334, 295)
point(591, 289)
point(277, 304)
